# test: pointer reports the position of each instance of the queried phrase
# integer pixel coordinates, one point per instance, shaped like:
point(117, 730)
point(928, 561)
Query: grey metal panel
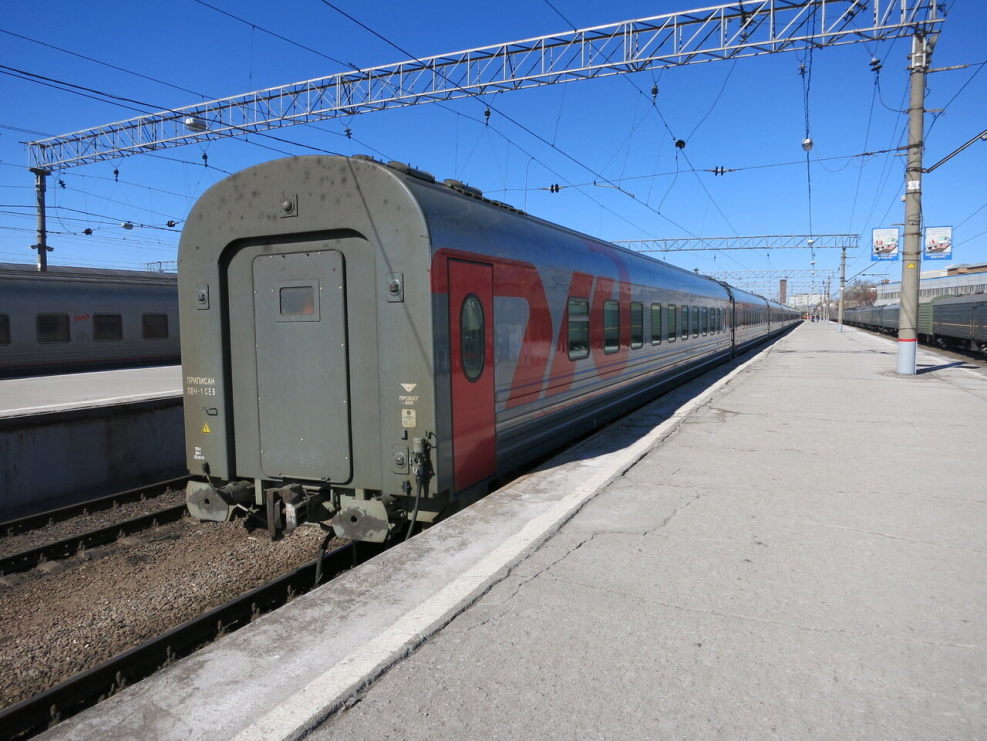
point(980, 321)
point(367, 212)
point(302, 368)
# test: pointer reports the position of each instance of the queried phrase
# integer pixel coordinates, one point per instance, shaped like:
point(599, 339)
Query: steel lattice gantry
point(738, 29)
point(768, 242)
point(763, 275)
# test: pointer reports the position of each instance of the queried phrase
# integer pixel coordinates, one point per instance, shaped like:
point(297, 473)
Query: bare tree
point(861, 293)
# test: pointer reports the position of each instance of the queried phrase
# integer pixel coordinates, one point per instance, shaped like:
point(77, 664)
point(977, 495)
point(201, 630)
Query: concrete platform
point(72, 436)
point(21, 397)
point(795, 550)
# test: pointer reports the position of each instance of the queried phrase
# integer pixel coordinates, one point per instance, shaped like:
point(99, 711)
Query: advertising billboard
point(938, 243)
point(884, 244)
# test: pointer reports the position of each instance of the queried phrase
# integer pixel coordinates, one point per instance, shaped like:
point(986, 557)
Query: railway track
point(50, 707)
point(111, 501)
point(66, 547)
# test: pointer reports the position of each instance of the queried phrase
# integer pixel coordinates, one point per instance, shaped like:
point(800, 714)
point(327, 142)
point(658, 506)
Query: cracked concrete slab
point(796, 561)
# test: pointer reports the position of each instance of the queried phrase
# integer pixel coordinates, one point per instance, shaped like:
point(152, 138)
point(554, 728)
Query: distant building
point(956, 280)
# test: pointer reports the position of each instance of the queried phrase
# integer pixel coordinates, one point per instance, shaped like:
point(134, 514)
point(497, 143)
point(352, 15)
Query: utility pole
point(911, 266)
point(42, 245)
point(842, 285)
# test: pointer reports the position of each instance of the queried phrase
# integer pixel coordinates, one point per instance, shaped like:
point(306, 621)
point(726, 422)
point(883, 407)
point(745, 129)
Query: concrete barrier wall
point(74, 455)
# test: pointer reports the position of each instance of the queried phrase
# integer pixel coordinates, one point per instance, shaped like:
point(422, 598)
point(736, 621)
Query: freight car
point(957, 322)
point(70, 319)
point(365, 345)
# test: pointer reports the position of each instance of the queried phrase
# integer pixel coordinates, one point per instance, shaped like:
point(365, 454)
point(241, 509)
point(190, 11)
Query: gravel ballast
point(112, 598)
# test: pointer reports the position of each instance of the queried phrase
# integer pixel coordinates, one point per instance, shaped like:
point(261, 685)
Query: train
point(70, 319)
point(950, 322)
point(368, 347)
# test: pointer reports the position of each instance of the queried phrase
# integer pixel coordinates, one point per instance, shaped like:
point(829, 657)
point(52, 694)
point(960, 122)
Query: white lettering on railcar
point(194, 391)
point(200, 386)
point(409, 401)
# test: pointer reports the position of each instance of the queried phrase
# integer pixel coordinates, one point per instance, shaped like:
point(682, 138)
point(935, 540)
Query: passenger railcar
point(69, 319)
point(947, 321)
point(961, 322)
point(365, 344)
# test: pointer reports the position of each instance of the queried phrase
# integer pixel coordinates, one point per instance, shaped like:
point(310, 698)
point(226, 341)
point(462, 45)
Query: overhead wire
point(499, 112)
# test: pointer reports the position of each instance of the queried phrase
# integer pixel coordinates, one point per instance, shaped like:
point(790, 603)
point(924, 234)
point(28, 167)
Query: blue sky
point(748, 115)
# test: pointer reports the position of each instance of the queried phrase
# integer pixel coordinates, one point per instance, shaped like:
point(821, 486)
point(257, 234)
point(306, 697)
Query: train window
point(578, 328)
point(637, 324)
point(684, 323)
point(472, 337)
point(671, 322)
point(611, 326)
point(655, 324)
point(107, 327)
point(695, 321)
point(53, 328)
point(705, 320)
point(4, 329)
point(155, 327)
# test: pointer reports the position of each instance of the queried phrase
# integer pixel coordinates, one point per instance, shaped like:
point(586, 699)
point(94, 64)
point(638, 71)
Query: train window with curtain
point(107, 327)
point(53, 328)
point(705, 320)
point(4, 329)
point(611, 326)
point(637, 324)
point(155, 327)
point(472, 333)
point(655, 324)
point(672, 326)
point(684, 323)
point(578, 328)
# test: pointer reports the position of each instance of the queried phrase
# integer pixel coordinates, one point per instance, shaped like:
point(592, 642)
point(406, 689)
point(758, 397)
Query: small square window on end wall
point(4, 329)
point(578, 328)
point(155, 327)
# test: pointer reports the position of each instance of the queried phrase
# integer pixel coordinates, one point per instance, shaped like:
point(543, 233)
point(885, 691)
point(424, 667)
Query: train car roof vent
point(508, 206)
point(461, 187)
point(365, 157)
point(409, 170)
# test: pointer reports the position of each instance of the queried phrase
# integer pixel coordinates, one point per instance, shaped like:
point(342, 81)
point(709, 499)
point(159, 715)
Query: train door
point(295, 425)
point(472, 367)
